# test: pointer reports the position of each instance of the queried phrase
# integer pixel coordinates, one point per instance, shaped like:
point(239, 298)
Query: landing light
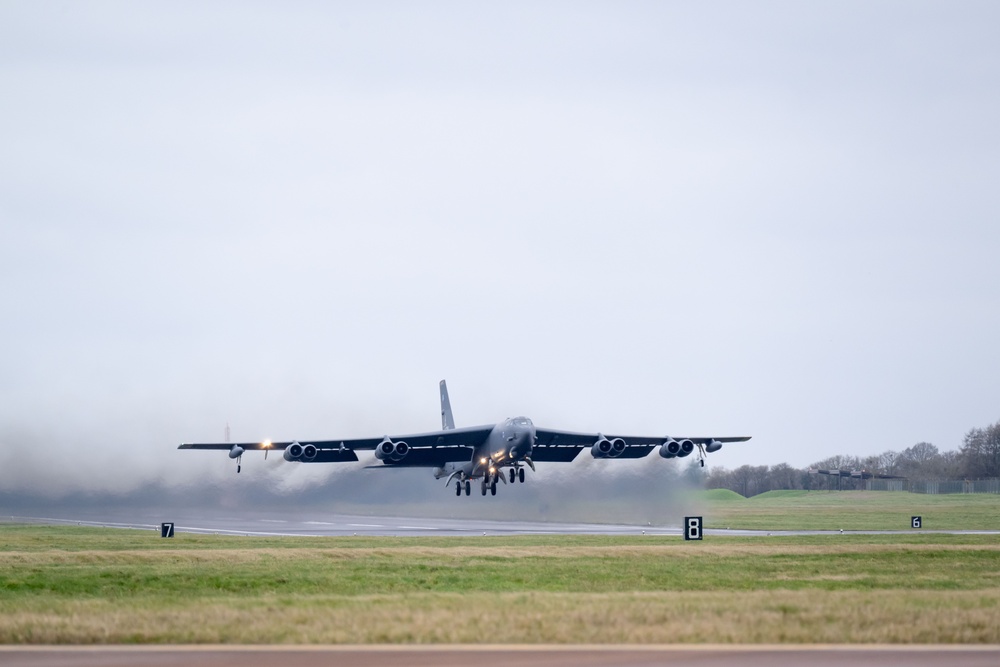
point(265, 444)
point(483, 461)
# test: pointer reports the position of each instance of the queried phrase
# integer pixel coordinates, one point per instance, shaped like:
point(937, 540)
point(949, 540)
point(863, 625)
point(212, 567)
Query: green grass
point(850, 510)
point(83, 585)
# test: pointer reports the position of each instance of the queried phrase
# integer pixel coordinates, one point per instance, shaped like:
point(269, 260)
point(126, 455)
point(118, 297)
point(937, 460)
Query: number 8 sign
point(692, 528)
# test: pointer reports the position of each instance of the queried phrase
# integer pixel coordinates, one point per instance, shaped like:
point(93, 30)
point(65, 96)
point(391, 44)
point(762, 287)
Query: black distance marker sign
point(692, 528)
point(166, 530)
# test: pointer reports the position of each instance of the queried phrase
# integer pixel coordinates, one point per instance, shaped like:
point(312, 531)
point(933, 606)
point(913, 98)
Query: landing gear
point(512, 473)
point(239, 464)
point(493, 488)
point(468, 488)
point(458, 488)
point(520, 475)
point(484, 486)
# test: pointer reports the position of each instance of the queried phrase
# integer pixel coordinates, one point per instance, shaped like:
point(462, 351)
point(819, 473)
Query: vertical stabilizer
point(447, 421)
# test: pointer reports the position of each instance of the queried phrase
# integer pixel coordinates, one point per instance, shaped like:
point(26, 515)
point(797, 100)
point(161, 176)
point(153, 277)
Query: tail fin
point(447, 421)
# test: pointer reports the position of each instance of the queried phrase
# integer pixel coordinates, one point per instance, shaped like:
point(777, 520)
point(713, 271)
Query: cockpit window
point(522, 421)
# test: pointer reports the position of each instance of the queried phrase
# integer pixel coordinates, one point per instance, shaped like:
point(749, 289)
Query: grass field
point(849, 510)
point(92, 585)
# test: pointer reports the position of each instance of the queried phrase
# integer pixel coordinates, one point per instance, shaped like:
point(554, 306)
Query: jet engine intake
point(617, 447)
point(293, 452)
point(607, 449)
point(309, 452)
point(686, 448)
point(388, 450)
point(670, 448)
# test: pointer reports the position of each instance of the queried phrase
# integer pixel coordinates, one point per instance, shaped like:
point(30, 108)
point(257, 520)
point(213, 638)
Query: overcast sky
point(776, 219)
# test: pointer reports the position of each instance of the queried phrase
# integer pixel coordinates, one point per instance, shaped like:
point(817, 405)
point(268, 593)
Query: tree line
point(977, 458)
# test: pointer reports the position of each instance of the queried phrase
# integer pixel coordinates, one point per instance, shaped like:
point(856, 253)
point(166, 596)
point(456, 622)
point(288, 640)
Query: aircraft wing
point(426, 449)
point(563, 446)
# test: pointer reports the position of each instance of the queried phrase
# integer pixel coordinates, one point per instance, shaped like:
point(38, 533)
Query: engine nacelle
point(670, 448)
point(388, 450)
point(236, 452)
point(607, 449)
point(713, 446)
point(601, 449)
point(309, 452)
point(293, 452)
point(680, 449)
point(617, 447)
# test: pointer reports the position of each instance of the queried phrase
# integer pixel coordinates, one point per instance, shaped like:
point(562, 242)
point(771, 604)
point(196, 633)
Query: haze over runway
point(774, 219)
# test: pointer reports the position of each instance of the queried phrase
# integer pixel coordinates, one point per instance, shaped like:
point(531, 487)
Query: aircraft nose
point(522, 445)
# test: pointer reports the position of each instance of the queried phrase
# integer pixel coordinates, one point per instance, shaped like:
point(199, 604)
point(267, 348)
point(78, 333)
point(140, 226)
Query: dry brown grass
point(409, 553)
point(663, 617)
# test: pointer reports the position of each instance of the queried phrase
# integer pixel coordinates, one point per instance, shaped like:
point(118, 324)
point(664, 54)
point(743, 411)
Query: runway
point(344, 525)
point(497, 655)
point(341, 525)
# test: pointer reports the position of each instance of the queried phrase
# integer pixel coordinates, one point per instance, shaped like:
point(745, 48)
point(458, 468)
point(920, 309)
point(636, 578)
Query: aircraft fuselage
point(509, 442)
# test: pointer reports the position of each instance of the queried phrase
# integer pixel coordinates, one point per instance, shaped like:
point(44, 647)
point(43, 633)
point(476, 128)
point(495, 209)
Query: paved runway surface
point(303, 525)
point(494, 656)
point(333, 525)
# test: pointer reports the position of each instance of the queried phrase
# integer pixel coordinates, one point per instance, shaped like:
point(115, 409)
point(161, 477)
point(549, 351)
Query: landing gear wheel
point(484, 488)
point(512, 473)
point(493, 489)
point(520, 475)
point(468, 488)
point(458, 488)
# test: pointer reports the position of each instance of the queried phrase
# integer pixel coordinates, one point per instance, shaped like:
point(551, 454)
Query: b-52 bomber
point(478, 452)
